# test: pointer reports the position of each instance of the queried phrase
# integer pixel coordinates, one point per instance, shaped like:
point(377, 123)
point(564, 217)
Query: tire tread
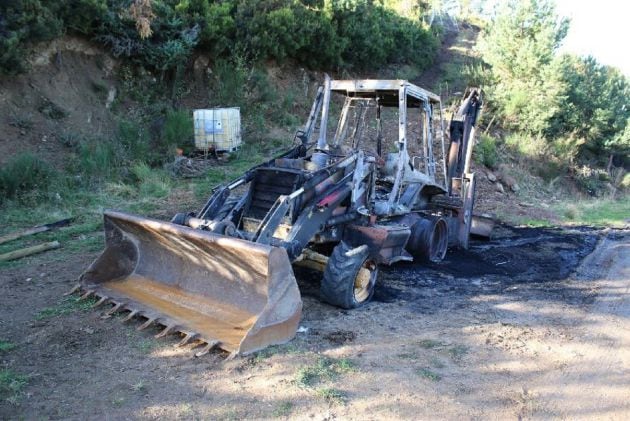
point(337, 286)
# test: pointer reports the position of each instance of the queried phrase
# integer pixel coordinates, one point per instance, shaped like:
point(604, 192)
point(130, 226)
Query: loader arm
point(461, 182)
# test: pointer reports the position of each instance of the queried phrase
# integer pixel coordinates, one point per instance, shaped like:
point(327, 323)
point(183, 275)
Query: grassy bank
point(136, 188)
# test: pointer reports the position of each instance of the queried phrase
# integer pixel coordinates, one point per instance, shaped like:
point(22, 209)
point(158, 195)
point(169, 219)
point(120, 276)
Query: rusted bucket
point(231, 293)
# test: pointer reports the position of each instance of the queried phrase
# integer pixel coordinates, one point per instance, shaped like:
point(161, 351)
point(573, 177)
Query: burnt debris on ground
point(532, 258)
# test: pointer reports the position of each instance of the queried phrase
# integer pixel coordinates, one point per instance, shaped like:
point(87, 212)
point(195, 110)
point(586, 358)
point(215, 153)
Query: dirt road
point(535, 324)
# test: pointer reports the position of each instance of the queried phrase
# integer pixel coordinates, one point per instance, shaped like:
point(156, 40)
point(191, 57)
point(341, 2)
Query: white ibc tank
point(218, 129)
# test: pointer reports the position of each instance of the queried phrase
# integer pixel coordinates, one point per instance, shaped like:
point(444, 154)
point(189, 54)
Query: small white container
point(218, 129)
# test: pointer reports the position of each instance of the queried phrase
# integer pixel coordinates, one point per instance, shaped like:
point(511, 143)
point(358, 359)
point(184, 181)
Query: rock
point(499, 187)
point(491, 176)
point(111, 96)
point(506, 178)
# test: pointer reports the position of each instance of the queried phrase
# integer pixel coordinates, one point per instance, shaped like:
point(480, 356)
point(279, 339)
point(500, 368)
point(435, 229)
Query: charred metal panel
point(386, 242)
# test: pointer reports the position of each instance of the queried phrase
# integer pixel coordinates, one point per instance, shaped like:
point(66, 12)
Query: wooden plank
point(18, 254)
point(35, 230)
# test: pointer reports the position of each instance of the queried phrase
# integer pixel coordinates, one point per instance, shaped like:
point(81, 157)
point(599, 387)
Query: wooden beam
point(18, 254)
point(35, 230)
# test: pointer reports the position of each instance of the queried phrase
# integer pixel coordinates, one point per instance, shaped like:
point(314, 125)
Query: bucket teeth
point(190, 336)
point(87, 294)
point(130, 316)
point(74, 289)
point(168, 329)
point(207, 348)
point(112, 310)
point(146, 324)
point(101, 301)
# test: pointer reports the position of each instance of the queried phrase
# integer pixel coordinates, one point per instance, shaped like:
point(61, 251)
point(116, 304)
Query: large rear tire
point(349, 278)
point(428, 240)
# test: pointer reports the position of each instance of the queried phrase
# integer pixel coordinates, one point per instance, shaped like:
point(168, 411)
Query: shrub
point(134, 141)
point(178, 131)
point(334, 34)
point(97, 160)
point(486, 151)
point(530, 146)
point(372, 35)
point(591, 180)
point(21, 22)
point(24, 173)
point(151, 182)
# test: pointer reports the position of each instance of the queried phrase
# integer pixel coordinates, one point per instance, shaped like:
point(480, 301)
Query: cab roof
point(387, 91)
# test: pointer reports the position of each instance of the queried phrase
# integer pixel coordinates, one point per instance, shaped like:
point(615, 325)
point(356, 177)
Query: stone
point(499, 187)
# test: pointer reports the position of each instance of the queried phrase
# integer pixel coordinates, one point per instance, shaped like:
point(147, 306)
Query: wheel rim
point(364, 281)
point(439, 241)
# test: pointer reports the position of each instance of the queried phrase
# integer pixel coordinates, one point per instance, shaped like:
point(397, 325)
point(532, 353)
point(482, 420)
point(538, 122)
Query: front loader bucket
point(231, 293)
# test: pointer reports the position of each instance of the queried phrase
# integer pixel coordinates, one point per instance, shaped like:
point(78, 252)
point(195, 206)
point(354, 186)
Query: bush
point(486, 151)
point(21, 22)
point(358, 34)
point(573, 107)
point(24, 173)
point(97, 160)
point(134, 141)
point(591, 180)
point(178, 132)
point(151, 182)
point(529, 146)
point(372, 35)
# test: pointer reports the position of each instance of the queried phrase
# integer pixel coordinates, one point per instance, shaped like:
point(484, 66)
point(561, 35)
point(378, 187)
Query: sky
point(600, 28)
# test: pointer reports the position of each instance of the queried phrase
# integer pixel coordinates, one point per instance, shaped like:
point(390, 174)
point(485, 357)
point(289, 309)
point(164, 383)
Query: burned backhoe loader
point(376, 190)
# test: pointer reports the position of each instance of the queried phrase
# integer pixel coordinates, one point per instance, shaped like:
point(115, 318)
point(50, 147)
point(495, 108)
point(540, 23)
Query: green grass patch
point(599, 212)
point(437, 363)
point(139, 387)
point(6, 346)
point(97, 179)
point(118, 401)
point(331, 395)
point(456, 352)
point(346, 365)
point(22, 174)
point(152, 183)
point(66, 306)
point(139, 340)
point(324, 369)
point(428, 374)
point(270, 351)
point(430, 343)
point(283, 409)
point(536, 223)
point(11, 385)
point(146, 346)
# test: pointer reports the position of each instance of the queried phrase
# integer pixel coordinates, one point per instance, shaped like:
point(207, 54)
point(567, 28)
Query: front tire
point(349, 278)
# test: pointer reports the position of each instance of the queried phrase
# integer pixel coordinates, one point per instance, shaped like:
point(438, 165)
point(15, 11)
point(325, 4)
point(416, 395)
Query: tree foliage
point(578, 105)
point(520, 45)
point(163, 34)
point(596, 110)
